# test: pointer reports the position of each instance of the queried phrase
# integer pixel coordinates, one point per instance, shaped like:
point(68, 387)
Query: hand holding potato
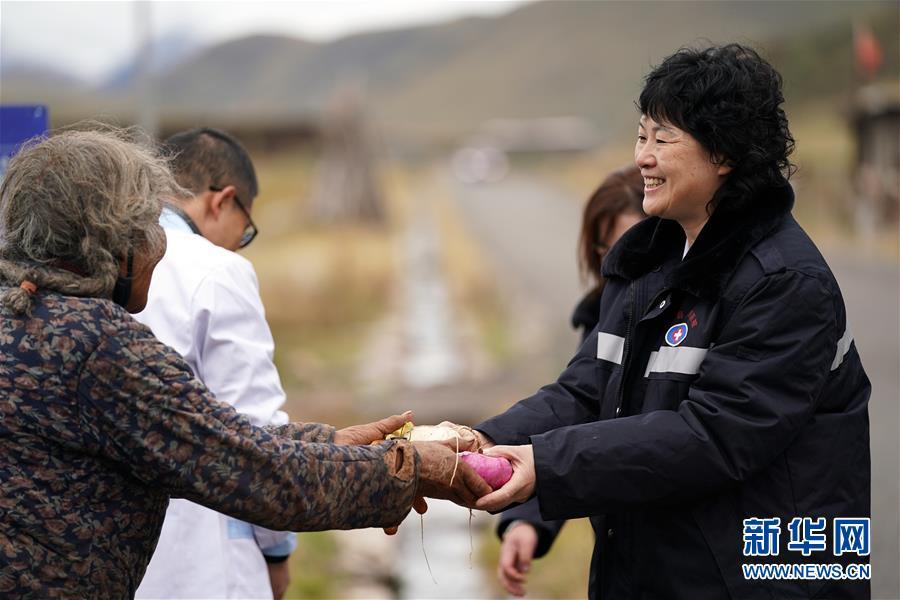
point(520, 487)
point(443, 475)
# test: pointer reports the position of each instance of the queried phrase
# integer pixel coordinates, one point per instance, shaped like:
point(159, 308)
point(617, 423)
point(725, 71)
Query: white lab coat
point(204, 302)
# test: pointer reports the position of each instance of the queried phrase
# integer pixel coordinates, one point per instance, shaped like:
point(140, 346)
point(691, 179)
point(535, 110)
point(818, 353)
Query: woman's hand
point(520, 487)
point(371, 432)
point(439, 466)
point(519, 543)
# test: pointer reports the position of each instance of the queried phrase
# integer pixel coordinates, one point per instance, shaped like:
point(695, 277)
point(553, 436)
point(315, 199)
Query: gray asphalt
point(528, 230)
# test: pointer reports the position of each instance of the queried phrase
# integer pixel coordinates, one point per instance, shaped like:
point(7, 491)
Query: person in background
point(101, 423)
point(612, 209)
point(204, 302)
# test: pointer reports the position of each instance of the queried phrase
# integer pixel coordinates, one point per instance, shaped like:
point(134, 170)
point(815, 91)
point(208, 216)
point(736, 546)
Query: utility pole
point(145, 88)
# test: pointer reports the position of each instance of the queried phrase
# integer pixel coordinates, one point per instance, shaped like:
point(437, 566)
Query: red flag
point(869, 55)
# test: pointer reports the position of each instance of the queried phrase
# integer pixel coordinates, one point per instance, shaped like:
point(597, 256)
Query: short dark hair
point(730, 99)
point(205, 157)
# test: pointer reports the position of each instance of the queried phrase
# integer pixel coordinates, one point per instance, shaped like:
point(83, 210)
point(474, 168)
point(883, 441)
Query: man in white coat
point(204, 302)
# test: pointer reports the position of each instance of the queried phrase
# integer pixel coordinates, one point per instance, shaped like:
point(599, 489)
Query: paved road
point(871, 293)
point(528, 229)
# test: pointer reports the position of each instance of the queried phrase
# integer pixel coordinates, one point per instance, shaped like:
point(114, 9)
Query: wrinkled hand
point(436, 469)
point(419, 505)
point(469, 440)
point(371, 432)
point(516, 552)
point(279, 578)
point(520, 487)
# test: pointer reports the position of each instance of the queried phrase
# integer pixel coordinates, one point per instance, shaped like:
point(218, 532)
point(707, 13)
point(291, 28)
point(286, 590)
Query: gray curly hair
point(71, 205)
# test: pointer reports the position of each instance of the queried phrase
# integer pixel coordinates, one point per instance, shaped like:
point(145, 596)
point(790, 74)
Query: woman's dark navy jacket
point(717, 388)
point(584, 319)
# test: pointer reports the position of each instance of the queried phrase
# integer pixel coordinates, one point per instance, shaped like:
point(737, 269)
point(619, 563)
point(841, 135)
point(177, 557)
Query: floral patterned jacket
point(100, 423)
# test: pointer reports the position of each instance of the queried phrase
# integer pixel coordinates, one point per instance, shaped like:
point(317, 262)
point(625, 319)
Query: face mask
point(122, 289)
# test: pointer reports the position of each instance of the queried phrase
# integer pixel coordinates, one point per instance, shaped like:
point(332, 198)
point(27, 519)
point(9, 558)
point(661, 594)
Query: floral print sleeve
point(304, 432)
point(146, 411)
point(100, 424)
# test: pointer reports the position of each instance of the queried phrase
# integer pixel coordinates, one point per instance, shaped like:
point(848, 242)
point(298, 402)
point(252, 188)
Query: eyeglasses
point(250, 231)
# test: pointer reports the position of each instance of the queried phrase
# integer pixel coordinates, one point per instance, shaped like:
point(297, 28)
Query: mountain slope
point(543, 59)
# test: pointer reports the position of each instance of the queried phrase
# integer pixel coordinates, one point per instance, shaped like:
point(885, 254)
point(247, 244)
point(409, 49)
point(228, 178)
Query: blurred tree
point(344, 187)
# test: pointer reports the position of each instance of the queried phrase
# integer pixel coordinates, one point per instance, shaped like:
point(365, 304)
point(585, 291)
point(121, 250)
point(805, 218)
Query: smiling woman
point(721, 383)
point(728, 105)
point(680, 175)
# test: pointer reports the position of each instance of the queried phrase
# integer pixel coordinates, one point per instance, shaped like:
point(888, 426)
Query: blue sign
point(17, 125)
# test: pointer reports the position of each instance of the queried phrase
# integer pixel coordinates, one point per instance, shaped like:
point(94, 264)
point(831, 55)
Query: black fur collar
point(722, 243)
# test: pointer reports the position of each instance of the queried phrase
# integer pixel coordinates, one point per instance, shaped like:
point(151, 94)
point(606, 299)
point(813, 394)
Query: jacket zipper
point(630, 332)
point(626, 347)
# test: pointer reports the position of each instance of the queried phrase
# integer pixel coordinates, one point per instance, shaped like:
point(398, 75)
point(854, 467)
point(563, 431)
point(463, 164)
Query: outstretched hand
point(443, 475)
point(371, 432)
point(520, 487)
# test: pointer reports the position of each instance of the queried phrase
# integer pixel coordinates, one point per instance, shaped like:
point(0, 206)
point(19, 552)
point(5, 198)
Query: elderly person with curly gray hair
point(100, 423)
point(71, 232)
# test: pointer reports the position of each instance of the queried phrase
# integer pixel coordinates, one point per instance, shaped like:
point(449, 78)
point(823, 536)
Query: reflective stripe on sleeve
point(843, 346)
point(682, 359)
point(610, 347)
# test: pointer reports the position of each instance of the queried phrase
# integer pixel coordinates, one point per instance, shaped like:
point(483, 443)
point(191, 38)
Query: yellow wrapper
point(402, 433)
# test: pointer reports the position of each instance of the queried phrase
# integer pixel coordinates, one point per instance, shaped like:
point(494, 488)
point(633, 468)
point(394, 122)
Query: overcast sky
point(90, 39)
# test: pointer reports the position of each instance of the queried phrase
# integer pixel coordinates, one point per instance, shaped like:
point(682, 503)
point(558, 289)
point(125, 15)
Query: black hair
point(730, 100)
point(205, 157)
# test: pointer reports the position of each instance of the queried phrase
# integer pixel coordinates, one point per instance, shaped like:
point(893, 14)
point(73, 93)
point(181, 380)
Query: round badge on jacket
point(676, 334)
